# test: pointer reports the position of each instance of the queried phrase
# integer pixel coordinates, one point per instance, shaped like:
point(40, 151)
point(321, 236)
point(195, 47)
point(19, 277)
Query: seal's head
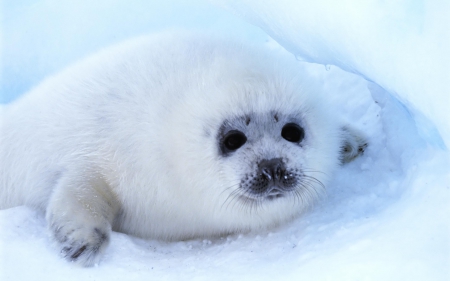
point(259, 139)
point(240, 141)
point(278, 151)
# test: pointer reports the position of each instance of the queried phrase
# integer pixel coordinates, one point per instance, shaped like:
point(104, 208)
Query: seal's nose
point(272, 169)
point(272, 179)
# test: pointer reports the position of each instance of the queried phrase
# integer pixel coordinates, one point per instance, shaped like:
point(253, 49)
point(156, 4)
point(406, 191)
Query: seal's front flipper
point(79, 215)
point(353, 144)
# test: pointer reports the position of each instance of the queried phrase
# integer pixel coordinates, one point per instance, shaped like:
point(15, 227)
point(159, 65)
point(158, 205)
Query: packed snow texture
point(386, 215)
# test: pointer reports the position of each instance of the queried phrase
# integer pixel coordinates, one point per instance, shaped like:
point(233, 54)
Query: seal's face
point(246, 145)
point(267, 152)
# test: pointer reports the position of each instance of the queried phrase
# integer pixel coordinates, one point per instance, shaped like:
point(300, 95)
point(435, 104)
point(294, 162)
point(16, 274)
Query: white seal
point(170, 137)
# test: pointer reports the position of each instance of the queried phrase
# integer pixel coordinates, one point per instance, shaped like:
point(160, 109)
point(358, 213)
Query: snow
point(386, 215)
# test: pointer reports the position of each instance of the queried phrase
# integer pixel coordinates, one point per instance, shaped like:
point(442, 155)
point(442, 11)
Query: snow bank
point(386, 214)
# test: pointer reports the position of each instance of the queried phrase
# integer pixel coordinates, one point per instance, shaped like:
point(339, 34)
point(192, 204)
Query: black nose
point(272, 179)
point(272, 169)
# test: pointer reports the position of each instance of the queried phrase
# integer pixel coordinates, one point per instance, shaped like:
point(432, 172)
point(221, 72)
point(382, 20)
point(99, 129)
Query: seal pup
point(170, 136)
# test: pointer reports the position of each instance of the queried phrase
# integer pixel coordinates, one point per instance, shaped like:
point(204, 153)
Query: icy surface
point(386, 216)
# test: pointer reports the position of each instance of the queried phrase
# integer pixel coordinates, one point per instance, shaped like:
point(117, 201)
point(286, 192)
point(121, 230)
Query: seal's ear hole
point(234, 139)
point(353, 144)
point(292, 132)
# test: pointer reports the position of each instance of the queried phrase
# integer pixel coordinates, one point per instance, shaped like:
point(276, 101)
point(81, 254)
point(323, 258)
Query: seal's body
point(171, 137)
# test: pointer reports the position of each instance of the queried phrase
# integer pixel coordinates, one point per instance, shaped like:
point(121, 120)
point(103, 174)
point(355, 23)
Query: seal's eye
point(292, 132)
point(233, 140)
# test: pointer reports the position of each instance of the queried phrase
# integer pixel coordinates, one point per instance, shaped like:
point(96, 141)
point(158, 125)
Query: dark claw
point(84, 252)
point(78, 253)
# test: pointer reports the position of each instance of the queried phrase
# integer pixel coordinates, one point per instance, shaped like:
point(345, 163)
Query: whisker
point(231, 194)
point(308, 188)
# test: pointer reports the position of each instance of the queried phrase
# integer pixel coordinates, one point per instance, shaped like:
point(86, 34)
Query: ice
point(385, 216)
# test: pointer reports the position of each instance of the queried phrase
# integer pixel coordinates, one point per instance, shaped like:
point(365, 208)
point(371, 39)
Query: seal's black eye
point(292, 132)
point(234, 139)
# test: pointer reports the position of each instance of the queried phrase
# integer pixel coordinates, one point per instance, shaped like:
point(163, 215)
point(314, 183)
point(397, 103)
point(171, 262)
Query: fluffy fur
point(129, 140)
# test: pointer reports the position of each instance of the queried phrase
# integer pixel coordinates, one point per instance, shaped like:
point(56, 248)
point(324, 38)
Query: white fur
point(127, 140)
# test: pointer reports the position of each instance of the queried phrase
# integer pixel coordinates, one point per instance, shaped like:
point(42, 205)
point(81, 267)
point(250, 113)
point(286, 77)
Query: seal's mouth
point(276, 192)
point(274, 196)
point(271, 193)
